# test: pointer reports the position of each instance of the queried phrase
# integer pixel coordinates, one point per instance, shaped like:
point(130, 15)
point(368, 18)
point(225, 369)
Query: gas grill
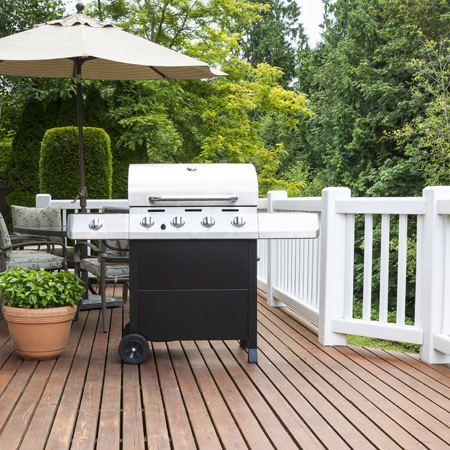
point(193, 230)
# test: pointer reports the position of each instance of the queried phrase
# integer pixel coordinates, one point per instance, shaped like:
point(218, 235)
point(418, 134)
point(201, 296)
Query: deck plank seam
point(318, 392)
point(243, 395)
point(86, 374)
point(36, 404)
point(141, 397)
point(421, 385)
point(394, 359)
point(221, 394)
point(233, 382)
point(345, 396)
point(65, 381)
point(403, 394)
point(76, 358)
point(269, 404)
point(393, 418)
point(205, 403)
point(8, 359)
point(328, 422)
point(161, 393)
point(182, 395)
point(102, 389)
point(23, 389)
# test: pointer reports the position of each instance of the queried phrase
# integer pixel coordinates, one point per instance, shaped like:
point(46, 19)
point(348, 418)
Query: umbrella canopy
point(82, 47)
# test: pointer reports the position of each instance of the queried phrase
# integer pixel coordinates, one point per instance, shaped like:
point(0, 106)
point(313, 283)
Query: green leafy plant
point(32, 289)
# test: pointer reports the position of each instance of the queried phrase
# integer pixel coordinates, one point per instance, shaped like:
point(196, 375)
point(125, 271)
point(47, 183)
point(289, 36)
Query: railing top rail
point(46, 199)
point(309, 204)
point(262, 203)
point(387, 205)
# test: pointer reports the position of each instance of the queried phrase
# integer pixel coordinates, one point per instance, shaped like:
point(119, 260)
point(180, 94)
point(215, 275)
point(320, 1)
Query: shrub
point(21, 173)
point(59, 164)
point(32, 289)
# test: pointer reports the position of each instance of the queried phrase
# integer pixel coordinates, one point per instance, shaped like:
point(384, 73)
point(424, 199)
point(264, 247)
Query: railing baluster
point(350, 252)
point(401, 274)
point(368, 253)
point(384, 269)
point(419, 258)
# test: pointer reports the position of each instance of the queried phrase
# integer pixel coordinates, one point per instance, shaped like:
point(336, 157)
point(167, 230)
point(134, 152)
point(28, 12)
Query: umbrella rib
point(159, 73)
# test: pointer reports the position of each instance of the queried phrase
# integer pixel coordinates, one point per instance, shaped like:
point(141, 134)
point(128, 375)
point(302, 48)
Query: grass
point(382, 343)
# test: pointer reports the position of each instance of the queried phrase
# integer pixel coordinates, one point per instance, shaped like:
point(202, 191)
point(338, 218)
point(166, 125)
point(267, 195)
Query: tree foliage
point(374, 95)
point(212, 121)
point(16, 16)
point(274, 38)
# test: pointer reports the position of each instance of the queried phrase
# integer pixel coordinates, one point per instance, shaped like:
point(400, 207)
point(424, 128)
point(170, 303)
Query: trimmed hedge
point(21, 173)
point(59, 170)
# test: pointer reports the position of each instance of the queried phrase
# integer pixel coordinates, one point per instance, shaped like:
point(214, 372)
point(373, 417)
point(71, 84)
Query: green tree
point(274, 38)
point(341, 141)
point(22, 166)
point(425, 137)
point(15, 92)
point(211, 121)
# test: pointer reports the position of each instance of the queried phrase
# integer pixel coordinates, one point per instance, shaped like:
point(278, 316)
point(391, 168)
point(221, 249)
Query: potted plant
point(39, 307)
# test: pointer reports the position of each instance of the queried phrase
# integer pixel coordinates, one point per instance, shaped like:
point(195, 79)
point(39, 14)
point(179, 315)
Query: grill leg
point(244, 343)
point(252, 356)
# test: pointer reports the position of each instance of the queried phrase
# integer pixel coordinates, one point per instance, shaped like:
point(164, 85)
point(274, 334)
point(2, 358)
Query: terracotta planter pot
point(39, 334)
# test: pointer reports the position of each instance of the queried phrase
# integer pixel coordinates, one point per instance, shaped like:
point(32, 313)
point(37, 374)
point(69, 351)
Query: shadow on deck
point(204, 394)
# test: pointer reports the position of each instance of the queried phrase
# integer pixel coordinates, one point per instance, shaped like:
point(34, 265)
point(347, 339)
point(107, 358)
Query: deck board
point(204, 394)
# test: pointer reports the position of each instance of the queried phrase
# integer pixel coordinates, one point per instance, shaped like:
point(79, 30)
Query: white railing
point(70, 206)
point(317, 277)
point(288, 270)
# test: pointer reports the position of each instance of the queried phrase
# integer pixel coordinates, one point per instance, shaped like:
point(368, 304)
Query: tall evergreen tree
point(275, 37)
point(22, 168)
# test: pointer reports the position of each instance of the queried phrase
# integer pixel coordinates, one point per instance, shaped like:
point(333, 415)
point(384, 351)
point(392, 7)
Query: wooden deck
point(206, 395)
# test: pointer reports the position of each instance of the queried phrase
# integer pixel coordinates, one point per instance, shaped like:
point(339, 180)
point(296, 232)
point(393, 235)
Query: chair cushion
point(122, 244)
point(44, 216)
point(5, 240)
point(23, 216)
point(113, 270)
point(33, 260)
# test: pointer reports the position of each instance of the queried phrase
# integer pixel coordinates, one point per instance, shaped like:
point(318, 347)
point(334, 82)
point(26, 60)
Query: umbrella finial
point(80, 8)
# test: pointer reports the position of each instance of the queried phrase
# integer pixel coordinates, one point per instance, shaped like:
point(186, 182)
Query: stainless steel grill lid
point(192, 184)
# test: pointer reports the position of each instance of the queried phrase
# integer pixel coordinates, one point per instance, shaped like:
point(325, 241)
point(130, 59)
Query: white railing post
point(43, 200)
point(333, 236)
point(432, 275)
point(272, 252)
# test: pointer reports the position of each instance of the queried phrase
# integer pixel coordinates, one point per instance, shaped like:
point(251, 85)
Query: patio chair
point(19, 254)
point(110, 265)
point(46, 216)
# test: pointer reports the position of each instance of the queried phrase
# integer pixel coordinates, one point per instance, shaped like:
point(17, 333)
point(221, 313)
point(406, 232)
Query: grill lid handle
point(155, 199)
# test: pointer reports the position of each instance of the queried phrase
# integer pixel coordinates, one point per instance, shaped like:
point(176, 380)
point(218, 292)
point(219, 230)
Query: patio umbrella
point(81, 47)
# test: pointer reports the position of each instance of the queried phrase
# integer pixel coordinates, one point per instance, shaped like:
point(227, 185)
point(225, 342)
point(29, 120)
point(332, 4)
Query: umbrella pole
point(82, 193)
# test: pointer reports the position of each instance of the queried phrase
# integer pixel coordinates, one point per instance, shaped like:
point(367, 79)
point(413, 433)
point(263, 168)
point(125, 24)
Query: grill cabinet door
point(193, 289)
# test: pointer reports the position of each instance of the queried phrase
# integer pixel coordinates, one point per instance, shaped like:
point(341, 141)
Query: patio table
point(48, 231)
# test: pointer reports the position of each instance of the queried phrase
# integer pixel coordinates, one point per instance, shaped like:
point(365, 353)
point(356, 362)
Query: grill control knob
point(147, 222)
point(177, 222)
point(95, 224)
point(238, 222)
point(208, 222)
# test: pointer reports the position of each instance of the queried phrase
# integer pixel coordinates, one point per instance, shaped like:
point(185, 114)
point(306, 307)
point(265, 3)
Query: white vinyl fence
point(400, 261)
point(403, 258)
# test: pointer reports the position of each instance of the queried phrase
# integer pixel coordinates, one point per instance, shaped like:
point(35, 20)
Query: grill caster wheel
point(134, 349)
point(126, 329)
